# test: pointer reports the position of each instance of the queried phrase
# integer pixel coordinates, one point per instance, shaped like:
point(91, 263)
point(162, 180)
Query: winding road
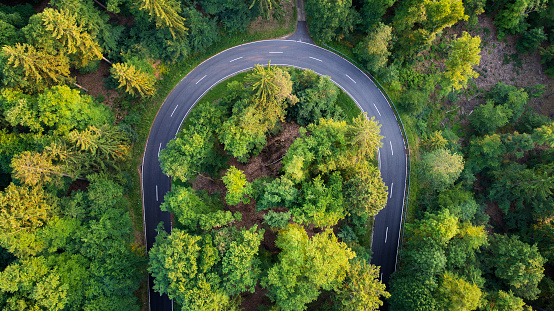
point(296, 52)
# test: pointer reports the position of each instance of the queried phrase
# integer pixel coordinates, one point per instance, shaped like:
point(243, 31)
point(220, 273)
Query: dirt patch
point(262, 24)
point(500, 62)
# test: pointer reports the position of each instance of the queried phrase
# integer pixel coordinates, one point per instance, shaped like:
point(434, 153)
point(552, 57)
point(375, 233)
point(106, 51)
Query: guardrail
point(406, 143)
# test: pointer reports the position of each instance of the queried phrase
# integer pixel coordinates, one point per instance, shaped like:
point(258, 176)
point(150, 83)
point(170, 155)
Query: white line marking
point(201, 79)
point(351, 78)
point(391, 186)
point(392, 151)
point(275, 52)
point(156, 192)
point(386, 234)
point(235, 59)
point(377, 109)
point(381, 277)
point(319, 60)
point(174, 111)
point(159, 150)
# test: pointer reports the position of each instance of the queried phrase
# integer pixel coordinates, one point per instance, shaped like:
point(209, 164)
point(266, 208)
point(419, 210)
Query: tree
point(440, 169)
point(374, 49)
point(37, 68)
point(240, 265)
point(134, 80)
point(363, 137)
point(330, 19)
point(504, 301)
point(305, 267)
point(488, 117)
point(361, 289)
point(238, 188)
point(277, 193)
point(317, 99)
point(181, 265)
point(34, 168)
point(544, 135)
point(485, 152)
point(531, 40)
point(63, 26)
point(512, 14)
point(365, 193)
point(265, 7)
point(458, 295)
point(463, 56)
point(166, 14)
point(517, 264)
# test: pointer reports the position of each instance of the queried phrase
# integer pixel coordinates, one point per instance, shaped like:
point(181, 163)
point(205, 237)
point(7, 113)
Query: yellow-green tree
point(166, 14)
point(34, 168)
point(37, 67)
point(133, 79)
point(462, 58)
point(362, 289)
point(64, 28)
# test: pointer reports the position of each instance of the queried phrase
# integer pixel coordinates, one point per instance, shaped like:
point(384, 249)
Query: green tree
point(181, 265)
point(374, 49)
point(305, 267)
point(485, 152)
point(517, 264)
point(487, 118)
point(458, 295)
point(277, 193)
point(63, 26)
point(35, 69)
point(364, 192)
point(34, 168)
point(330, 19)
point(166, 14)
point(134, 80)
point(440, 168)
point(363, 137)
point(531, 40)
point(238, 188)
point(504, 301)
point(463, 56)
point(361, 289)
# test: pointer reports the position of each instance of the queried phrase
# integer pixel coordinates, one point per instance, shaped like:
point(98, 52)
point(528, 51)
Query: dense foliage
point(209, 259)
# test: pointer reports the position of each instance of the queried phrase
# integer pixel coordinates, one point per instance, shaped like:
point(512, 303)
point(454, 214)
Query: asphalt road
point(392, 156)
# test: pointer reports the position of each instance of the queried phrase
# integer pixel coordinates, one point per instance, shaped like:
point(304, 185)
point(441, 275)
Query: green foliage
point(365, 193)
point(547, 60)
point(463, 56)
point(508, 259)
point(134, 81)
point(235, 15)
point(456, 294)
point(531, 40)
point(238, 188)
point(504, 301)
point(440, 168)
point(317, 99)
point(278, 193)
point(330, 19)
point(362, 289)
point(182, 267)
point(486, 119)
point(166, 14)
point(277, 220)
point(374, 49)
point(305, 267)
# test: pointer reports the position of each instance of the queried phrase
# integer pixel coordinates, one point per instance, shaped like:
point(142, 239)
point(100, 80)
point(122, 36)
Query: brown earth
point(493, 68)
point(262, 24)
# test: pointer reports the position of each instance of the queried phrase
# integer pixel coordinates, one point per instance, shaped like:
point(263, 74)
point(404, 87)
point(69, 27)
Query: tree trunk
point(82, 88)
point(106, 60)
point(100, 4)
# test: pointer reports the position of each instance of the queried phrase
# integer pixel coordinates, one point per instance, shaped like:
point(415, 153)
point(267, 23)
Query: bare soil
point(262, 24)
point(493, 68)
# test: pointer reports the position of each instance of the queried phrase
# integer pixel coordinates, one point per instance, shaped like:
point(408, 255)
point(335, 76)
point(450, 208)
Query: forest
point(271, 208)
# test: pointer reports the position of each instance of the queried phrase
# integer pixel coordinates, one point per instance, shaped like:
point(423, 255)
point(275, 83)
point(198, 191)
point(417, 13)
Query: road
point(300, 54)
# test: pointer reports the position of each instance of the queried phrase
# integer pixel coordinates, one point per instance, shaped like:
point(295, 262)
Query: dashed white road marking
point(200, 79)
point(391, 186)
point(156, 192)
point(232, 60)
point(377, 109)
point(386, 234)
point(275, 52)
point(351, 78)
point(159, 149)
point(174, 111)
point(381, 277)
point(319, 60)
point(379, 157)
point(392, 151)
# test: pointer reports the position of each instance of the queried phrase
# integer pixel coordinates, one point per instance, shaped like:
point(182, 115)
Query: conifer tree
point(166, 14)
point(38, 68)
point(133, 79)
point(74, 38)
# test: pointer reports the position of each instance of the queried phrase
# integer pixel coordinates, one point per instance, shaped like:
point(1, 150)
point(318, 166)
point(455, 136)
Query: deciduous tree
point(463, 56)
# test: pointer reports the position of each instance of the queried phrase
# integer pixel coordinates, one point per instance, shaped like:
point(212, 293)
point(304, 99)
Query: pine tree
point(38, 67)
point(32, 168)
point(74, 38)
point(133, 79)
point(166, 14)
